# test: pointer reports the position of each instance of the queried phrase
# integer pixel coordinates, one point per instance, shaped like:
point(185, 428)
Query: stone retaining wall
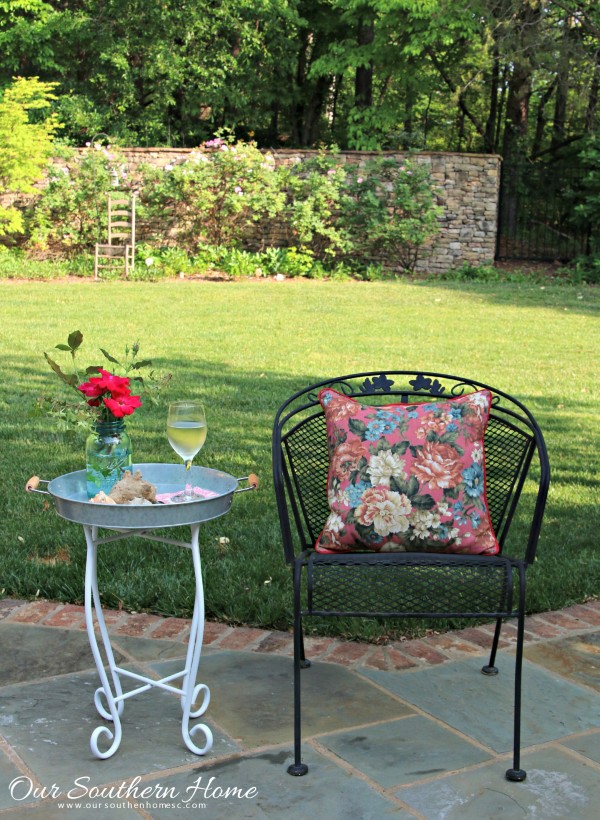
point(468, 187)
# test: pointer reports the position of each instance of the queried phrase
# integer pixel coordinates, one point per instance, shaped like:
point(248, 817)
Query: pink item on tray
point(165, 498)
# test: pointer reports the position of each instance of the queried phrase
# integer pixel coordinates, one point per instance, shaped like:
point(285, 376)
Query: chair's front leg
point(517, 774)
point(297, 768)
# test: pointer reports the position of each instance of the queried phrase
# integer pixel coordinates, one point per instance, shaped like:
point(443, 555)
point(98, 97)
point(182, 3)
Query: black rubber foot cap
point(297, 769)
point(304, 664)
point(516, 775)
point(489, 670)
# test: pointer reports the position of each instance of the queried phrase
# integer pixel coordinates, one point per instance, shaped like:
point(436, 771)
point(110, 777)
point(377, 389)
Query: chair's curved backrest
point(300, 452)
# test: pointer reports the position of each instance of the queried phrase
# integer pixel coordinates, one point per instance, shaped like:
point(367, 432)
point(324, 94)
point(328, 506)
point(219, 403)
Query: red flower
point(112, 391)
point(123, 405)
point(93, 388)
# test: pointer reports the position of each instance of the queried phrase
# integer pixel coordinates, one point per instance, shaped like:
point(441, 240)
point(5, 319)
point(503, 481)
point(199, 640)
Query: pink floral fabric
point(407, 477)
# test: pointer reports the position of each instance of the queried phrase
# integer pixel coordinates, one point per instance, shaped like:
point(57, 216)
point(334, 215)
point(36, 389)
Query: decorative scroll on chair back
point(409, 584)
point(120, 248)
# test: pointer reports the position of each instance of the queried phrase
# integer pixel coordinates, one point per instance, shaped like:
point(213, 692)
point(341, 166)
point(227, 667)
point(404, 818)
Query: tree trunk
point(519, 86)
point(489, 137)
point(363, 79)
point(562, 86)
point(593, 96)
point(541, 120)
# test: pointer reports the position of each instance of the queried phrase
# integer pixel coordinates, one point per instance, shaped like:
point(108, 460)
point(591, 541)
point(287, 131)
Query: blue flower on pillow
point(386, 415)
point(355, 492)
point(376, 429)
point(473, 478)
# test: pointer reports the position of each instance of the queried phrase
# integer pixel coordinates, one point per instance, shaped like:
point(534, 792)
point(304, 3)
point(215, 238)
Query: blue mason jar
point(107, 455)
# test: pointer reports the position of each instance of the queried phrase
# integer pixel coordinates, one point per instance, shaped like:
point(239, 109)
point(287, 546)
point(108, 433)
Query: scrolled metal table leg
point(191, 691)
point(93, 605)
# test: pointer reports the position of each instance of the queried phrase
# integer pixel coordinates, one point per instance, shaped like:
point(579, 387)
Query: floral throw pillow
point(407, 477)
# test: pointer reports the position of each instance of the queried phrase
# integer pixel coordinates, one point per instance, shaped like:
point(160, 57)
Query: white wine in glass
point(186, 431)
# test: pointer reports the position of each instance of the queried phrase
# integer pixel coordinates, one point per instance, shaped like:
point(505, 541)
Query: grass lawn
point(243, 347)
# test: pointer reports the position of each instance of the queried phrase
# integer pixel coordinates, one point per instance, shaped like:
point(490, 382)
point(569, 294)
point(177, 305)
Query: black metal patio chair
point(415, 582)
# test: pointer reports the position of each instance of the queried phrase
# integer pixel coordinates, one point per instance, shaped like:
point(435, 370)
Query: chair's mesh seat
point(409, 585)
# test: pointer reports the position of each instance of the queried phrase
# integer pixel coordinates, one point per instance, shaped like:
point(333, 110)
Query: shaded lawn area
point(243, 347)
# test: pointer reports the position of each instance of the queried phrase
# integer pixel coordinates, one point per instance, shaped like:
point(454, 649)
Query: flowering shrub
point(71, 214)
point(215, 196)
point(310, 217)
point(106, 395)
point(389, 210)
point(206, 212)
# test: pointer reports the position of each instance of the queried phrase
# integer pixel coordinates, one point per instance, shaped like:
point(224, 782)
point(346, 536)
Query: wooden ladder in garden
point(120, 248)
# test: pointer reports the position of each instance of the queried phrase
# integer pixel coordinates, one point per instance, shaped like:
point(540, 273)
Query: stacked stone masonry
point(467, 186)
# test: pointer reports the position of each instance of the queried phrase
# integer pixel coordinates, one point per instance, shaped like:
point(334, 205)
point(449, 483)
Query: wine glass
point(186, 431)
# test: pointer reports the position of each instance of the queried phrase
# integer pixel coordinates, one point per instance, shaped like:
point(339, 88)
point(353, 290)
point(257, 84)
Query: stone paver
point(482, 707)
point(575, 658)
point(260, 688)
point(556, 787)
point(327, 791)
point(404, 750)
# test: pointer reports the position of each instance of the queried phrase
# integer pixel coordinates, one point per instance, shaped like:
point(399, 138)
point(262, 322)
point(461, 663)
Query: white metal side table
point(70, 496)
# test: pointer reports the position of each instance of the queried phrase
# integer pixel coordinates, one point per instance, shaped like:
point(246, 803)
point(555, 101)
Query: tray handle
point(253, 482)
point(33, 484)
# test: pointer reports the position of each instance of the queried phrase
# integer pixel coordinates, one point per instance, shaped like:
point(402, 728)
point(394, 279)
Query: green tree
point(27, 129)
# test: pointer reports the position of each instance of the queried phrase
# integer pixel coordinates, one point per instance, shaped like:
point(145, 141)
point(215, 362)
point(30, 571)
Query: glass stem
point(187, 491)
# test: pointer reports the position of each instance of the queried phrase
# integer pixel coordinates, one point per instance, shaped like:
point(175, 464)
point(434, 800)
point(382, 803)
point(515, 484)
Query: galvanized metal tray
point(70, 497)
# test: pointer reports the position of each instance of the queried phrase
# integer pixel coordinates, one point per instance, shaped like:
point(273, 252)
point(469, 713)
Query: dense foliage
point(218, 203)
point(507, 76)
point(25, 145)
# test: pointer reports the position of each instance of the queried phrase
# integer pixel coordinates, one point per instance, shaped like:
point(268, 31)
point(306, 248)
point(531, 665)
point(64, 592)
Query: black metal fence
point(537, 219)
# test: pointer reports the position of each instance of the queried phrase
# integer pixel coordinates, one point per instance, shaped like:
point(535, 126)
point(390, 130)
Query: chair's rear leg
point(297, 768)
point(491, 668)
point(304, 662)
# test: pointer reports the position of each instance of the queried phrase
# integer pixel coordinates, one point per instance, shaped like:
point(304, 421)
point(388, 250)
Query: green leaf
point(412, 486)
point(400, 448)
point(423, 502)
point(63, 347)
point(138, 365)
point(109, 357)
point(75, 339)
point(449, 438)
point(398, 486)
point(364, 532)
point(70, 379)
point(359, 428)
point(382, 444)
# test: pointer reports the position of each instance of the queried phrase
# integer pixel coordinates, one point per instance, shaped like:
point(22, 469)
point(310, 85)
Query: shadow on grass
point(583, 299)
